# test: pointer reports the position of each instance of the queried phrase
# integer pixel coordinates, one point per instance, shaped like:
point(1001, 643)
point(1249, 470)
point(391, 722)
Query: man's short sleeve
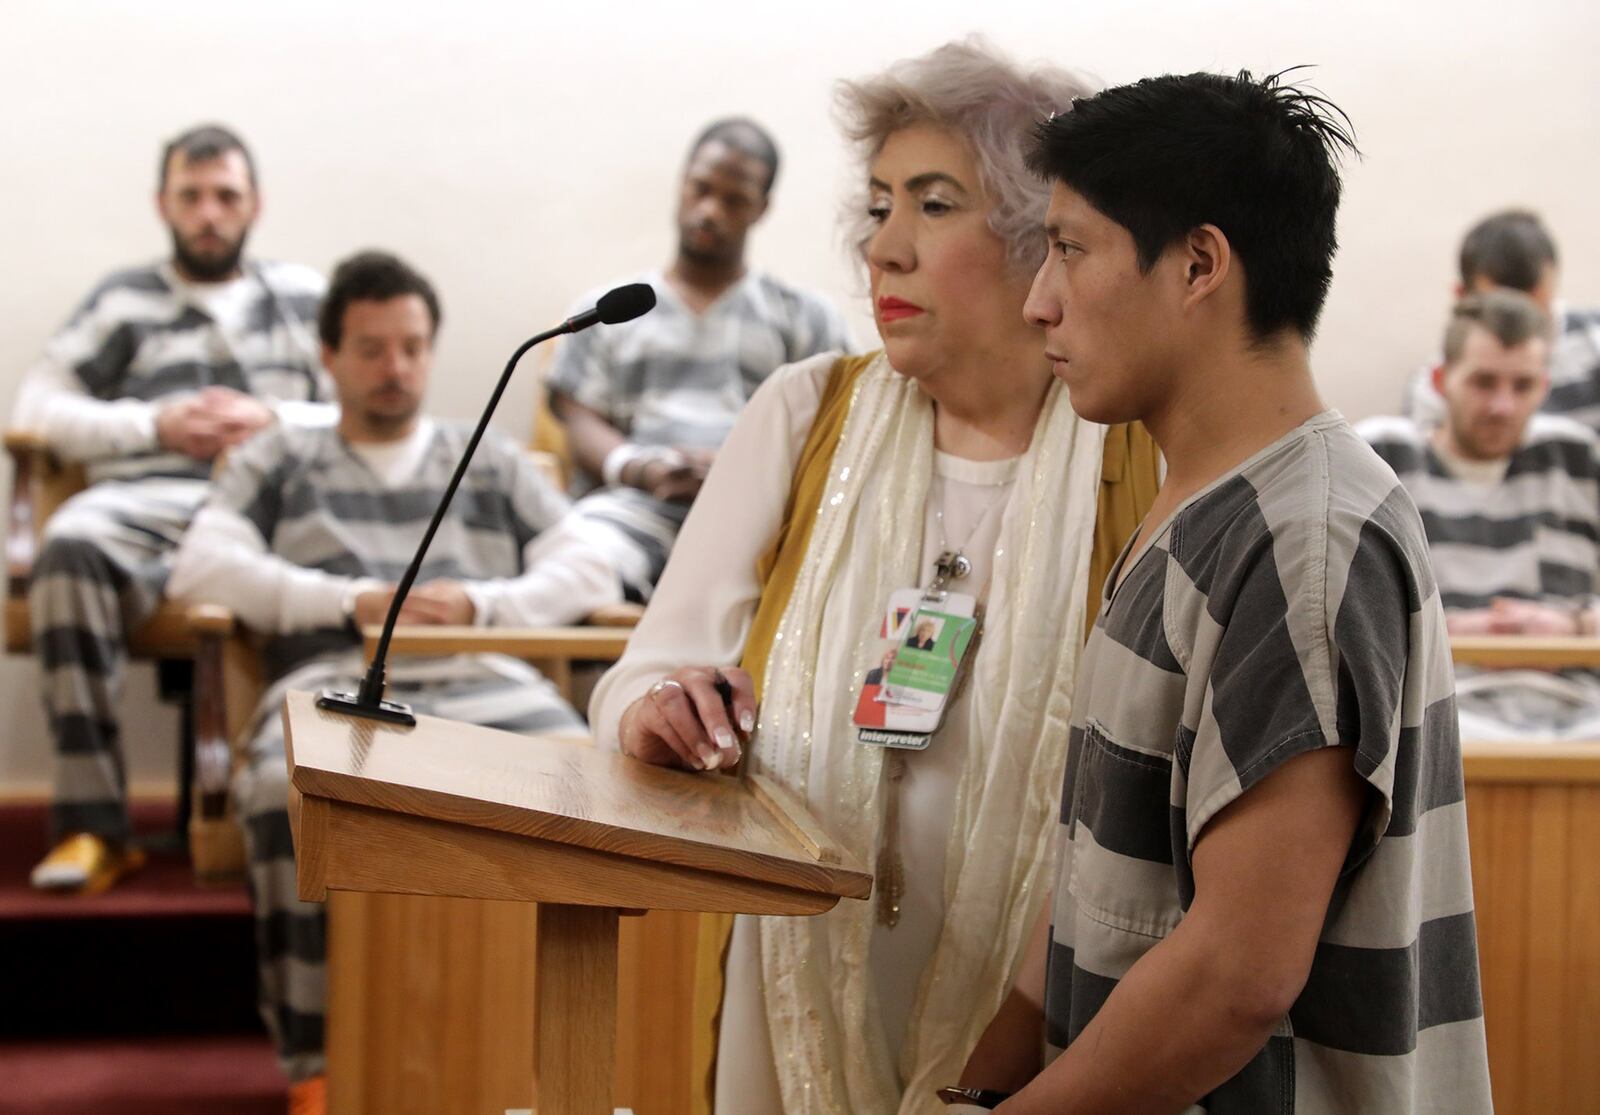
point(822, 329)
point(582, 371)
point(1309, 650)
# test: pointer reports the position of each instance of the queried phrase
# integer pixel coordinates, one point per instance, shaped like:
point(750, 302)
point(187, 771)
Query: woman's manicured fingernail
point(725, 739)
point(747, 721)
point(713, 759)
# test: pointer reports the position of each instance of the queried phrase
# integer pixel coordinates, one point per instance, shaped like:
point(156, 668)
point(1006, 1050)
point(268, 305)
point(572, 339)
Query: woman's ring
point(656, 689)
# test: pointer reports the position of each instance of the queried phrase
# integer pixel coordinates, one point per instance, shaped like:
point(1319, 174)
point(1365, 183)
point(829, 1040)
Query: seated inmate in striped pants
point(146, 346)
point(300, 526)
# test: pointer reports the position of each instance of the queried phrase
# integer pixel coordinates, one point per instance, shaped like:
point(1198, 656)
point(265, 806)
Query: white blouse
point(701, 614)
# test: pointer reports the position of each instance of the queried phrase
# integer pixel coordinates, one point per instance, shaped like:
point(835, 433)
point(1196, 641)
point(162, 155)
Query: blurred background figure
point(162, 367)
point(1512, 250)
point(303, 538)
point(648, 403)
point(1510, 502)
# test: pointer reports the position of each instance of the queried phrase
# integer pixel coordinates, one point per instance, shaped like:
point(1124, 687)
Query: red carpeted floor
point(229, 1075)
point(139, 1001)
point(165, 887)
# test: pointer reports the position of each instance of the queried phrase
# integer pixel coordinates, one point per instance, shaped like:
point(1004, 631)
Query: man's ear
point(1207, 260)
point(1436, 377)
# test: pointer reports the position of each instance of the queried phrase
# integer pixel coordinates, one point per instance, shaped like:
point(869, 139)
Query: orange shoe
point(309, 1096)
point(85, 864)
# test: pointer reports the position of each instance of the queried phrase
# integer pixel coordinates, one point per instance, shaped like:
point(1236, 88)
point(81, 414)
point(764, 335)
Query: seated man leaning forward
point(1513, 250)
point(1263, 900)
point(161, 368)
point(647, 404)
point(1510, 499)
point(303, 537)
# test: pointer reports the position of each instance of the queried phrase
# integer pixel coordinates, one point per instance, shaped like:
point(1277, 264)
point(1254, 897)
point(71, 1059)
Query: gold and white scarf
point(822, 1011)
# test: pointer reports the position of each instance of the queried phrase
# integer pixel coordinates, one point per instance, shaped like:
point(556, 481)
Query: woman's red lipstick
point(893, 309)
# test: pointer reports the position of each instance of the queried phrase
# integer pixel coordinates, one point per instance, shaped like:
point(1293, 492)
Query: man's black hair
point(201, 144)
point(1510, 249)
point(745, 136)
point(370, 277)
point(1255, 158)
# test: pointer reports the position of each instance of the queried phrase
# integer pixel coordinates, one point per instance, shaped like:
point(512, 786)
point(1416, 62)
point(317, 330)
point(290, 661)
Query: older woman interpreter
point(949, 460)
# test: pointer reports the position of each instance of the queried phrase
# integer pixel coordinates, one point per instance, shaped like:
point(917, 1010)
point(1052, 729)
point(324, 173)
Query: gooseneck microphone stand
point(622, 304)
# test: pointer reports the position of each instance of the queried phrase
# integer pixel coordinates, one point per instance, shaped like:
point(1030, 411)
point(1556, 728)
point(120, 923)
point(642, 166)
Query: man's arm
point(1198, 1006)
point(223, 559)
point(52, 401)
point(666, 474)
point(568, 577)
point(1010, 1052)
point(225, 556)
point(590, 435)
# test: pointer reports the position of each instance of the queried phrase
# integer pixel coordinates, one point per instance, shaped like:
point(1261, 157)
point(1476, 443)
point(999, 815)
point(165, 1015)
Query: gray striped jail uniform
point(138, 340)
point(1535, 535)
point(678, 378)
point(1574, 376)
point(316, 504)
point(1287, 607)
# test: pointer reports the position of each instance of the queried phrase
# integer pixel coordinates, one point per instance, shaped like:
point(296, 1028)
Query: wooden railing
point(1522, 652)
point(1533, 819)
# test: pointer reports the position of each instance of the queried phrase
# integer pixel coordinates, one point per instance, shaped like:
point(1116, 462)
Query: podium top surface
point(562, 789)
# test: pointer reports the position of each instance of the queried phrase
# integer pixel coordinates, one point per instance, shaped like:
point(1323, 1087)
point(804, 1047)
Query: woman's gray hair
point(971, 90)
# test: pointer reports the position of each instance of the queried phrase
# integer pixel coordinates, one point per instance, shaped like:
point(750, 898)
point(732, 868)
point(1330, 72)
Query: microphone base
point(390, 712)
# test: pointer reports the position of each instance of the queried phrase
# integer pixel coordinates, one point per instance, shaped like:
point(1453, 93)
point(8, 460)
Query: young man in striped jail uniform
point(162, 367)
point(647, 404)
point(1510, 499)
point(1263, 901)
point(303, 537)
point(1512, 250)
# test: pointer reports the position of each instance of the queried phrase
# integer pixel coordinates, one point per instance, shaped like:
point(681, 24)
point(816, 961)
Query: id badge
point(922, 643)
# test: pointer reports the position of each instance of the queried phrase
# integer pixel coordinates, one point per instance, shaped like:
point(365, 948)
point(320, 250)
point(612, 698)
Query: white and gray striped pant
point(104, 560)
point(291, 935)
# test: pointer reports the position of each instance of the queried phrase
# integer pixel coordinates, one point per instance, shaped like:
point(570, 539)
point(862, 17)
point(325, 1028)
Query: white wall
point(520, 153)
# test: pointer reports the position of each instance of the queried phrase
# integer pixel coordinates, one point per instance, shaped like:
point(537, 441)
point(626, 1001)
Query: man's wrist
point(482, 602)
point(142, 424)
point(351, 595)
point(626, 465)
point(614, 470)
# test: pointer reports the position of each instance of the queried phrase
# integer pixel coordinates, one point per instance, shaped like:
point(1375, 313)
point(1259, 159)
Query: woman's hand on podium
point(695, 717)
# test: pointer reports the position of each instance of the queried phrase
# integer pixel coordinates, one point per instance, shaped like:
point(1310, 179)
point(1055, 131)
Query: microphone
point(616, 306)
point(623, 303)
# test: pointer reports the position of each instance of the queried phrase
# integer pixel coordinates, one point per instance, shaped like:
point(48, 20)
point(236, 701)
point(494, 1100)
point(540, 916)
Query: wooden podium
point(452, 809)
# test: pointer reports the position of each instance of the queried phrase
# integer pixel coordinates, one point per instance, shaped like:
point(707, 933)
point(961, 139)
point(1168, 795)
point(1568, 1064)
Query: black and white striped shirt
point(1533, 535)
point(1286, 607)
point(297, 520)
point(677, 377)
point(144, 337)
